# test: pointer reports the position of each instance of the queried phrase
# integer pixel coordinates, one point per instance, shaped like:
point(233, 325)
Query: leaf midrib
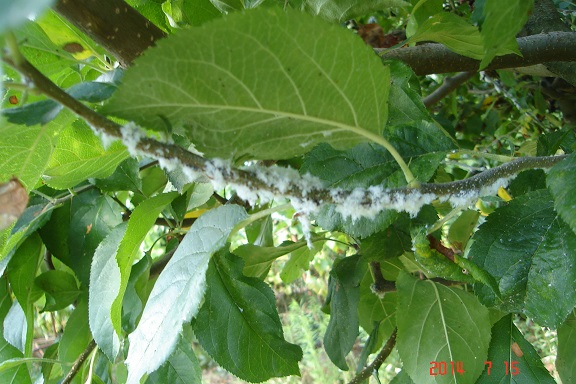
point(307, 118)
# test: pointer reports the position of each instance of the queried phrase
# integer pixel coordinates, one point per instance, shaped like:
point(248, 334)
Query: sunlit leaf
point(441, 324)
point(21, 272)
point(24, 152)
point(141, 220)
point(104, 288)
point(79, 155)
point(454, 32)
point(247, 95)
point(178, 292)
point(257, 259)
point(500, 26)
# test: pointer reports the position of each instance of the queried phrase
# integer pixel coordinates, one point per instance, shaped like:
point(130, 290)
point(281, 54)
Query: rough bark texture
point(546, 18)
point(113, 24)
point(435, 58)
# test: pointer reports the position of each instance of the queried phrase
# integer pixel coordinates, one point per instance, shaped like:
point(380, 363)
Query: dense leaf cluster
point(281, 112)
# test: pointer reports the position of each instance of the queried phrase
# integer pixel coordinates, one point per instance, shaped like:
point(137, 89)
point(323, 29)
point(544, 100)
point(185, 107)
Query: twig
point(378, 361)
point(78, 363)
point(158, 266)
point(381, 285)
point(449, 85)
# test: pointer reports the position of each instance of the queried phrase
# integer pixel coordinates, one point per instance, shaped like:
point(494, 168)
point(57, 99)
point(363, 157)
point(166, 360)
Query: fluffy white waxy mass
point(131, 136)
point(269, 183)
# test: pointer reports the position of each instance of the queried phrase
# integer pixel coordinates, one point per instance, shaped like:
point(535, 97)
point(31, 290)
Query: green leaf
point(24, 152)
point(125, 178)
point(182, 367)
point(239, 326)
point(257, 260)
point(54, 233)
point(192, 12)
point(441, 324)
point(44, 111)
point(60, 288)
point(369, 347)
point(435, 264)
point(18, 374)
point(423, 9)
point(92, 217)
point(561, 180)
point(103, 291)
point(141, 220)
point(462, 228)
point(390, 243)
point(531, 252)
point(500, 26)
point(178, 291)
point(566, 358)
point(137, 290)
point(549, 143)
point(43, 53)
point(506, 346)
point(454, 32)
point(69, 40)
point(375, 310)
point(405, 101)
point(33, 218)
point(363, 166)
point(342, 330)
point(342, 10)
point(152, 10)
point(76, 336)
point(21, 271)
point(299, 262)
point(226, 6)
point(16, 327)
point(248, 95)
point(79, 155)
point(530, 180)
point(13, 13)
point(402, 378)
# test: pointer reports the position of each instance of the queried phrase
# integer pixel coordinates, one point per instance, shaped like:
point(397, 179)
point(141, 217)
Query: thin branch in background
point(220, 199)
point(449, 85)
point(378, 361)
point(78, 363)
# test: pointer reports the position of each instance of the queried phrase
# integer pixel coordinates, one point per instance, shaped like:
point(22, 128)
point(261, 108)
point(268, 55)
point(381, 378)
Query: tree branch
point(449, 85)
point(113, 24)
point(78, 363)
point(378, 361)
point(536, 49)
point(306, 193)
